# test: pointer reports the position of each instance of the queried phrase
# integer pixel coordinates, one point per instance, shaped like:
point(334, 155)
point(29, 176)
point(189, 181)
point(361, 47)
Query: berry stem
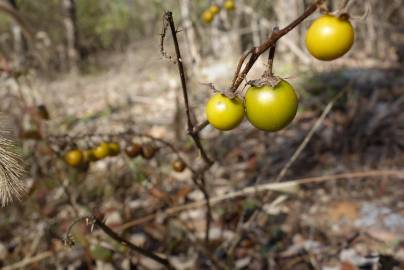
point(271, 54)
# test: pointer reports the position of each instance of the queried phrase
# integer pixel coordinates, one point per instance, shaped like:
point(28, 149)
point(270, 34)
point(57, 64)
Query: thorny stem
point(195, 136)
point(257, 51)
point(192, 131)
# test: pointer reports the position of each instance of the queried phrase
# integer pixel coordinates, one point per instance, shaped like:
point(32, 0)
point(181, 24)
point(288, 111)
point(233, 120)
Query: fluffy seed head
point(11, 166)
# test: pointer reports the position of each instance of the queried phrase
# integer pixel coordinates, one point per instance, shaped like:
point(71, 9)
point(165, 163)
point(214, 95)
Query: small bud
point(178, 165)
point(133, 150)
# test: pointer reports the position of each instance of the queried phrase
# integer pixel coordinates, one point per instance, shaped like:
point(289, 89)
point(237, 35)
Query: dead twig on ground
point(264, 188)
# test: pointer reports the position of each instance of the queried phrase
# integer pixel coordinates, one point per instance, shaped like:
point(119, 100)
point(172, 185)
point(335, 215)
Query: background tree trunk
point(19, 41)
point(287, 11)
point(72, 33)
point(190, 31)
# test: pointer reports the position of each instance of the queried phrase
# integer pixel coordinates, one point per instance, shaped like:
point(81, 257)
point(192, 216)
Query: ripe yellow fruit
point(101, 151)
point(74, 157)
point(88, 155)
point(271, 108)
point(229, 5)
point(224, 113)
point(329, 37)
point(114, 149)
point(214, 9)
point(207, 16)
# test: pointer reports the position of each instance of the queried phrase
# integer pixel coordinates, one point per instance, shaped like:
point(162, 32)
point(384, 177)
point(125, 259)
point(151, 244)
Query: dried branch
point(200, 126)
point(30, 260)
point(195, 136)
point(199, 177)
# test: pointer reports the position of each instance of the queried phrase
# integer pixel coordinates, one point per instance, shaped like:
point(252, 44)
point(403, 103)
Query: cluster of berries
point(78, 158)
point(209, 14)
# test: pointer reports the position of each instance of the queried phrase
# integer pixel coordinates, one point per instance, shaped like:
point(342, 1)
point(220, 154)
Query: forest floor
point(352, 217)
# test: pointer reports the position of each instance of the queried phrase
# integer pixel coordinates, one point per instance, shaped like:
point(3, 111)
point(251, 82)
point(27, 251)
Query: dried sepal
point(265, 80)
point(228, 93)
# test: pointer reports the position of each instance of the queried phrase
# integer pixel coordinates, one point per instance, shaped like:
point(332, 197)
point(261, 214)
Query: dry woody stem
point(193, 131)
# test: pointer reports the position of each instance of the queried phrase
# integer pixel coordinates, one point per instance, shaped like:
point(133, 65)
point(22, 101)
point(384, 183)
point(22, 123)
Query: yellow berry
point(214, 9)
point(74, 157)
point(101, 151)
point(229, 5)
point(207, 16)
point(114, 149)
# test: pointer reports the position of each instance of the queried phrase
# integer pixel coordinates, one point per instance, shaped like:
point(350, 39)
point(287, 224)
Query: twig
point(271, 54)
point(200, 126)
point(194, 135)
point(240, 65)
point(30, 260)
point(257, 51)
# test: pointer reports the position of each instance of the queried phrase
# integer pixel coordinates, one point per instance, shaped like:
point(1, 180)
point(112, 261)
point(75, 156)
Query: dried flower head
point(11, 166)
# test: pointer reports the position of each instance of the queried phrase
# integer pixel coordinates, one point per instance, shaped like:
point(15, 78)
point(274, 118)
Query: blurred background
point(75, 72)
